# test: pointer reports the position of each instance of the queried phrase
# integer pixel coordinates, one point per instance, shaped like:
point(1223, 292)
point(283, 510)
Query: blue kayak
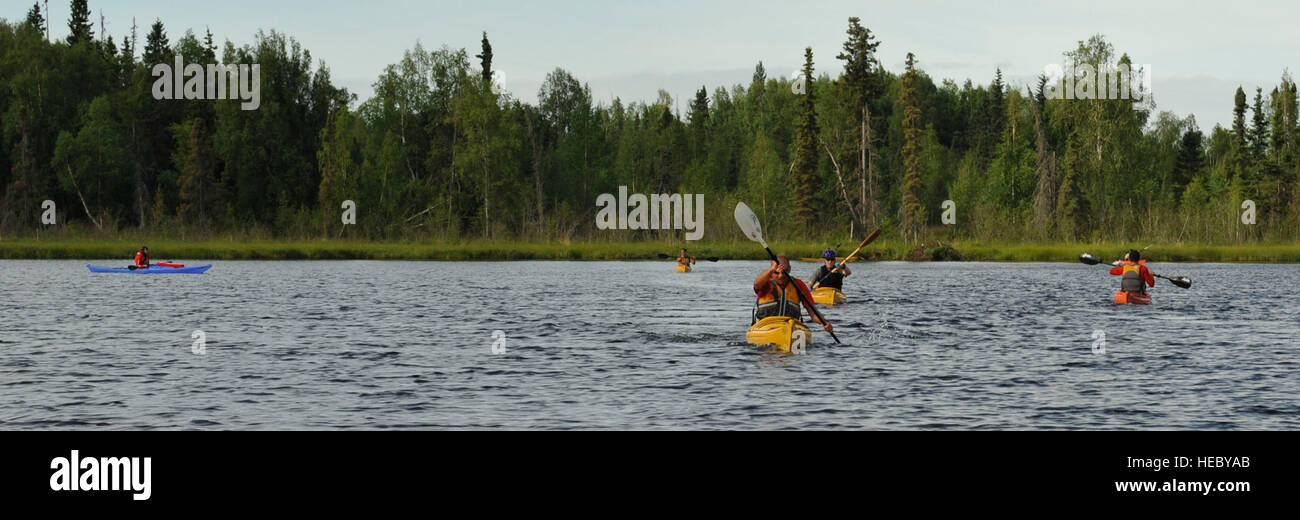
point(153, 269)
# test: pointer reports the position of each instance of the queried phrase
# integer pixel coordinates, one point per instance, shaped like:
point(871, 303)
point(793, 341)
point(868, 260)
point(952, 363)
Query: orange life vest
point(1131, 277)
point(779, 302)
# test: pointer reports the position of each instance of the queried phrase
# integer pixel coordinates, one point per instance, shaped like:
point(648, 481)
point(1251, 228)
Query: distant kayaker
point(685, 259)
point(825, 278)
point(781, 295)
point(142, 257)
point(1134, 271)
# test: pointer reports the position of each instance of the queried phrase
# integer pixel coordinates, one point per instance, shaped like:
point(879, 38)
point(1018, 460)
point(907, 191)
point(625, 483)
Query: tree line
point(443, 151)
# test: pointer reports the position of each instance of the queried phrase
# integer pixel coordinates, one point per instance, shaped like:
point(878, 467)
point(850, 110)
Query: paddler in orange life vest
point(781, 295)
point(685, 259)
point(1134, 272)
point(142, 257)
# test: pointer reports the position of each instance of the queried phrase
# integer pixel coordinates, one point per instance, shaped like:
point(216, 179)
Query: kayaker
point(825, 278)
point(142, 257)
point(1134, 271)
point(781, 295)
point(685, 259)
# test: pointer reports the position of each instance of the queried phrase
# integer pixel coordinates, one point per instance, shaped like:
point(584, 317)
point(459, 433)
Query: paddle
point(749, 225)
point(846, 260)
point(1181, 281)
point(711, 258)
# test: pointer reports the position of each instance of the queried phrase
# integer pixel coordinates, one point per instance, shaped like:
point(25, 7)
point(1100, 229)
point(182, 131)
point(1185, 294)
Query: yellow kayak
point(828, 296)
point(779, 331)
point(683, 268)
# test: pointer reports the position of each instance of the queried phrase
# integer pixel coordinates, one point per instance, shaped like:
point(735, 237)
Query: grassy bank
point(30, 248)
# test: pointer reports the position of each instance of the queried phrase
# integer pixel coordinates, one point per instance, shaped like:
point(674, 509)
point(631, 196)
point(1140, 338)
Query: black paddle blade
point(1089, 259)
point(1181, 281)
point(712, 259)
point(661, 255)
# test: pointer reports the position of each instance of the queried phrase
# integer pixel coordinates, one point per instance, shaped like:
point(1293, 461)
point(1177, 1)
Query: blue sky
point(1199, 50)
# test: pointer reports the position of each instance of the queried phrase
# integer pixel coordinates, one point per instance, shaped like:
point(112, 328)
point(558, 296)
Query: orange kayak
point(1125, 297)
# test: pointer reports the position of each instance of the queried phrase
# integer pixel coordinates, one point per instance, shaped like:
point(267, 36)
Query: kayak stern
point(1123, 297)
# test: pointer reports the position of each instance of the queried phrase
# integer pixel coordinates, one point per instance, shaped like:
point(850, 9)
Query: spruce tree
point(485, 59)
point(859, 66)
point(1259, 128)
point(996, 116)
point(1189, 158)
point(156, 48)
point(805, 159)
point(861, 77)
point(209, 48)
point(79, 28)
point(699, 115)
point(1239, 151)
point(911, 215)
point(35, 19)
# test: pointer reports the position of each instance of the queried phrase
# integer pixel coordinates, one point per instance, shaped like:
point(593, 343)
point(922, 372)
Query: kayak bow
point(778, 331)
point(828, 296)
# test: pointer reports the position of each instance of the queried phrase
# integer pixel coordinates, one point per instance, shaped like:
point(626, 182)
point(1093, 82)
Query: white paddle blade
point(748, 222)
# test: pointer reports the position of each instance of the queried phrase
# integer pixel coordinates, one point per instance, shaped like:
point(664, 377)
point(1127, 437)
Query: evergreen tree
point(911, 214)
point(805, 160)
point(1258, 132)
point(1239, 127)
point(209, 48)
point(758, 81)
point(485, 59)
point(861, 78)
point(35, 19)
point(995, 114)
point(860, 66)
point(1189, 158)
point(156, 48)
point(79, 27)
point(699, 115)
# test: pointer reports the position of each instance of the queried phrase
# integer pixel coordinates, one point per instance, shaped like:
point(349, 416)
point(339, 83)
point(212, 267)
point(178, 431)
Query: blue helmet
point(829, 254)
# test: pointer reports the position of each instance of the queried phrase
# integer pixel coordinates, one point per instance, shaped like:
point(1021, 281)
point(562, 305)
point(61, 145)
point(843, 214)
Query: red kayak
point(1125, 297)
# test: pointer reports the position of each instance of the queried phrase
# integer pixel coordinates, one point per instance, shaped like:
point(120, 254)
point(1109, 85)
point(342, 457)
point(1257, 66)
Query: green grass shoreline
point(217, 249)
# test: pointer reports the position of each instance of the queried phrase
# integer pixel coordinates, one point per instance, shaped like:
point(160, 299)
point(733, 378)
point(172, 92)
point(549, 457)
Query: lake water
point(600, 345)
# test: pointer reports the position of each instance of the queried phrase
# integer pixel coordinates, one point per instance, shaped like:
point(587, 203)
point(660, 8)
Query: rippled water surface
point(370, 345)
